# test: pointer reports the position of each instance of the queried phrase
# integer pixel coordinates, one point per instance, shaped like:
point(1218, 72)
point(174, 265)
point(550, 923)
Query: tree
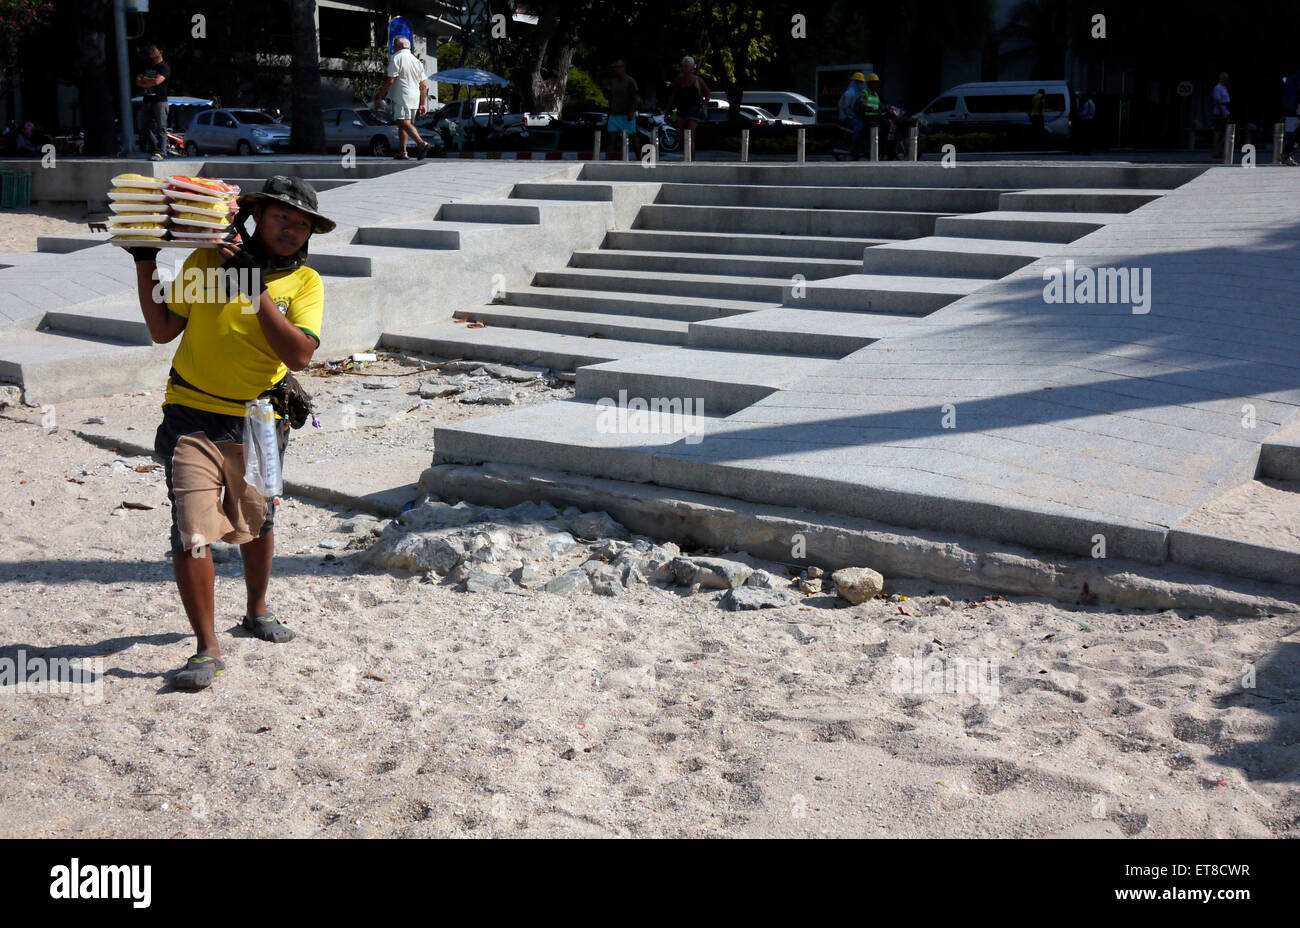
point(548, 53)
point(90, 68)
point(307, 134)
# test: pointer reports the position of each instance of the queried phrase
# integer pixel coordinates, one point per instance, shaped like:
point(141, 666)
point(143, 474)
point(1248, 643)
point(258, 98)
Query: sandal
point(199, 672)
point(268, 628)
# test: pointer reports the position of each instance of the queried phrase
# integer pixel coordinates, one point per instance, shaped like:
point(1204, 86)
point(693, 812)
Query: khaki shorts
point(402, 111)
point(203, 459)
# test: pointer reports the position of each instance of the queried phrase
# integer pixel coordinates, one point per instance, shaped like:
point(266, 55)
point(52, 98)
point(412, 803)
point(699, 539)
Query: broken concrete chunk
point(597, 525)
point(857, 584)
point(750, 597)
point(569, 583)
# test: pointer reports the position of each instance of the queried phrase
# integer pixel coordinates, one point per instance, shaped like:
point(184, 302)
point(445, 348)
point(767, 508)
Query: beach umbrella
point(474, 77)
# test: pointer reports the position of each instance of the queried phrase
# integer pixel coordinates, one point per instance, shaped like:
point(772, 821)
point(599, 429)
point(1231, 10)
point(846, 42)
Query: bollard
point(798, 146)
point(913, 143)
point(625, 145)
point(688, 145)
point(744, 144)
point(875, 143)
point(595, 146)
point(1279, 142)
point(1229, 143)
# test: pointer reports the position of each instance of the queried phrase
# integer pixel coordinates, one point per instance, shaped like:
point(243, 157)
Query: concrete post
point(1229, 143)
point(799, 146)
point(123, 79)
point(913, 144)
point(625, 145)
point(875, 143)
point(595, 146)
point(688, 144)
point(1279, 142)
point(744, 144)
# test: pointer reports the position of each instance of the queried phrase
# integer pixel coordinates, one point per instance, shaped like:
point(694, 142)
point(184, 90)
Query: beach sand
point(19, 228)
point(405, 708)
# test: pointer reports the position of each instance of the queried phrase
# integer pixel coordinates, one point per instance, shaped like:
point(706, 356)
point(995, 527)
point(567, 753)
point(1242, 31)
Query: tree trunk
point(94, 101)
point(307, 135)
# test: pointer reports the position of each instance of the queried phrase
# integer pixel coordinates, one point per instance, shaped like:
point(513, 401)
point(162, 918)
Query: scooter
point(652, 125)
point(894, 126)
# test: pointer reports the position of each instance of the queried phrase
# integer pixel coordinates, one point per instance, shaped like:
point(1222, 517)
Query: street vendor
point(236, 346)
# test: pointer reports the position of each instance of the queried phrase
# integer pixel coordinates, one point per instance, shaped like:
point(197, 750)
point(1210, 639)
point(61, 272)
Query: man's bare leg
point(257, 555)
point(408, 127)
point(196, 581)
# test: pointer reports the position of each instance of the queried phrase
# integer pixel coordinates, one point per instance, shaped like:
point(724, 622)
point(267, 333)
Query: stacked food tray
point(176, 212)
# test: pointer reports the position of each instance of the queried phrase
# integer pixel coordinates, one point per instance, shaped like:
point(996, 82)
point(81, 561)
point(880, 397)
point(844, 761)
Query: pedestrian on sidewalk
point(405, 85)
point(1220, 113)
point(1290, 118)
point(154, 80)
point(1038, 117)
point(1087, 123)
point(690, 96)
point(624, 98)
point(235, 347)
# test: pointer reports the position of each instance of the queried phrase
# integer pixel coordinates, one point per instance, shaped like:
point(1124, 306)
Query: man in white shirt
point(406, 86)
point(1219, 115)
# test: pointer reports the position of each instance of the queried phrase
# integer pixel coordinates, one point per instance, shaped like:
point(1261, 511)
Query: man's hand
point(424, 108)
point(246, 265)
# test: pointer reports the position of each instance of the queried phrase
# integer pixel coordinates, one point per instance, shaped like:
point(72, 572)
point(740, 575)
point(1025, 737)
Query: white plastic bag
point(261, 450)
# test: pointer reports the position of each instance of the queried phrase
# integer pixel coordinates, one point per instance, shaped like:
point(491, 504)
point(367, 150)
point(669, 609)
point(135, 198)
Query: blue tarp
point(473, 76)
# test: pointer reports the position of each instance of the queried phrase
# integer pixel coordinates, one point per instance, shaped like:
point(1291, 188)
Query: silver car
point(240, 132)
point(371, 132)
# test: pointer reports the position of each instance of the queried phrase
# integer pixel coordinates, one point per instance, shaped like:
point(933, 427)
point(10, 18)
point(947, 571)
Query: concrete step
point(1025, 226)
point(759, 290)
point(1279, 457)
point(433, 235)
point(1080, 200)
point(513, 346)
point(577, 436)
point(571, 322)
point(719, 382)
point(361, 260)
point(54, 366)
point(653, 305)
point(787, 330)
point(738, 265)
point(882, 293)
point(783, 246)
point(927, 199)
point(499, 211)
point(943, 256)
point(750, 219)
point(119, 322)
point(319, 184)
point(562, 190)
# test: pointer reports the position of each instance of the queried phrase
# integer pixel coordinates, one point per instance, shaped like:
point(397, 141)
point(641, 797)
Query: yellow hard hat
point(874, 77)
point(858, 76)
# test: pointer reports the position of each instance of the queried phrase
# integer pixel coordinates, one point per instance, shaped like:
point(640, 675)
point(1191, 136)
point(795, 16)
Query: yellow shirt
point(223, 349)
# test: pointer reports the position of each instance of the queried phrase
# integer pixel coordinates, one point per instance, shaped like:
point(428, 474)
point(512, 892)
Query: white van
point(787, 107)
point(998, 105)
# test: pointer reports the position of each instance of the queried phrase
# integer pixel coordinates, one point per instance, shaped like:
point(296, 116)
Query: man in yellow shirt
point(236, 345)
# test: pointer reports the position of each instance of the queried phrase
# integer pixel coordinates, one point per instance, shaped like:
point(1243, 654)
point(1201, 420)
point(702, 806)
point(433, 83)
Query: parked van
point(787, 107)
point(983, 107)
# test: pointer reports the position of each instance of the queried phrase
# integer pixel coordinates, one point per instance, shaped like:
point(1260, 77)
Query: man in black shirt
point(153, 81)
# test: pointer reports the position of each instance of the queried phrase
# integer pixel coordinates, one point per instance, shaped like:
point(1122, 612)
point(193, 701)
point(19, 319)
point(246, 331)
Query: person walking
point(624, 98)
point(689, 94)
point(1038, 117)
point(1291, 118)
point(1087, 122)
point(1220, 113)
point(154, 80)
point(405, 85)
point(235, 347)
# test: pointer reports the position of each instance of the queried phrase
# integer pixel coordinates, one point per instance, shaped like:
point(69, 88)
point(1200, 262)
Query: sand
point(405, 708)
point(19, 228)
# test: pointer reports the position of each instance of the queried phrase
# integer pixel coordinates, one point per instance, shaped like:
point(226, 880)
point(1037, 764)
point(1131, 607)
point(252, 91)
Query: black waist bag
point(289, 400)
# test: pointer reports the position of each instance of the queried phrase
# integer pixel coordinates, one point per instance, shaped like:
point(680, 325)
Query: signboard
point(399, 27)
point(832, 81)
point(1185, 89)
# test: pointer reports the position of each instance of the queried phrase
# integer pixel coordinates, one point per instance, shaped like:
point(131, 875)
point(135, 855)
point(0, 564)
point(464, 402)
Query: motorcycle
point(894, 126)
point(655, 125)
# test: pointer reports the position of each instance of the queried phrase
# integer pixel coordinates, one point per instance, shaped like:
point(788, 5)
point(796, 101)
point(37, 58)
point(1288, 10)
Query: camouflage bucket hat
point(291, 191)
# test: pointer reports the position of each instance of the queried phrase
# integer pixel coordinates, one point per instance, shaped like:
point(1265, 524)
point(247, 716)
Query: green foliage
point(18, 16)
point(583, 92)
point(367, 66)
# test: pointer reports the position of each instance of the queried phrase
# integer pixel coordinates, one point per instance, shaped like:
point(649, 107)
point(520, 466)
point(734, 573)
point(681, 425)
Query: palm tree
point(308, 132)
